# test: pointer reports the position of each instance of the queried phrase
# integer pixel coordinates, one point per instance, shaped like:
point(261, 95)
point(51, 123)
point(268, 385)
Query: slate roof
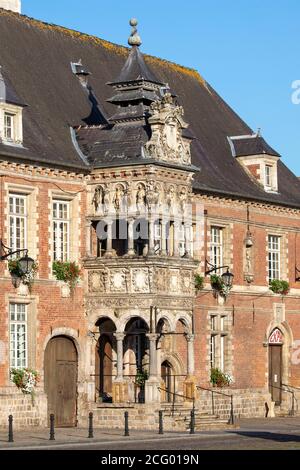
point(37, 56)
point(244, 146)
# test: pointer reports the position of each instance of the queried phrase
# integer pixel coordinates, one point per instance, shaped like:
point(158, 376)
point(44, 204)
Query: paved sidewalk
point(253, 433)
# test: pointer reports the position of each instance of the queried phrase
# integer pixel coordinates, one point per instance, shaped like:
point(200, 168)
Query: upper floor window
point(274, 257)
point(18, 335)
point(17, 221)
point(268, 176)
point(61, 230)
point(216, 246)
point(9, 126)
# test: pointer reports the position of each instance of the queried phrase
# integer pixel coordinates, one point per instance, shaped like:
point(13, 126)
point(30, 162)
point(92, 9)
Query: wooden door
point(106, 360)
point(104, 368)
point(166, 375)
point(275, 372)
point(61, 380)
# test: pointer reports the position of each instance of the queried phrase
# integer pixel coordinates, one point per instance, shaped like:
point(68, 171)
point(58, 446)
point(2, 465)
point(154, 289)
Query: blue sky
point(248, 50)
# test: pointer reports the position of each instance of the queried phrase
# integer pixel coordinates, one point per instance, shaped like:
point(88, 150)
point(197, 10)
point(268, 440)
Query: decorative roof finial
point(134, 39)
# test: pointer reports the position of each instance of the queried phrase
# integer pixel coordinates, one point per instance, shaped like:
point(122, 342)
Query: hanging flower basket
point(18, 276)
point(69, 272)
point(26, 380)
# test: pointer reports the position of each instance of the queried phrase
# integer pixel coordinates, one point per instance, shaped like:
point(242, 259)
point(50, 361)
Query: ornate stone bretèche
point(167, 124)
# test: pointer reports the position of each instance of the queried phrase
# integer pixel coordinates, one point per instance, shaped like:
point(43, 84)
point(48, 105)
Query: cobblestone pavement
point(256, 434)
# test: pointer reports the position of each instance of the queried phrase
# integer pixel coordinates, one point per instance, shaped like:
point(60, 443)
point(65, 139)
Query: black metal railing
point(213, 392)
point(174, 395)
point(286, 390)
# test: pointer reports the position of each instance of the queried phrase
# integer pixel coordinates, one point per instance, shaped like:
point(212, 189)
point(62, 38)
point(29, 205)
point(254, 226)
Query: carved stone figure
point(171, 196)
point(98, 198)
point(118, 197)
point(183, 198)
point(140, 198)
point(152, 194)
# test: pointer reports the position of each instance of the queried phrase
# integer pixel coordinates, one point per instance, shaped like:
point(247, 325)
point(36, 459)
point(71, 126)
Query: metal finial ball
point(133, 22)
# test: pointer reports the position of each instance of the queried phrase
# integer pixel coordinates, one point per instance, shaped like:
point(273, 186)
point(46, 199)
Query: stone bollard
point(52, 431)
point(10, 429)
point(126, 416)
point(161, 423)
point(91, 428)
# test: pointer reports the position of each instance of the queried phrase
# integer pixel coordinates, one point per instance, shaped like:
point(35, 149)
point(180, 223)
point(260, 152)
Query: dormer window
point(268, 176)
point(257, 158)
point(11, 111)
point(9, 126)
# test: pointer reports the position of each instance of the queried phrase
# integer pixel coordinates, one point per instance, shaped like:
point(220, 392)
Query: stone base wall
point(25, 412)
point(246, 403)
point(112, 417)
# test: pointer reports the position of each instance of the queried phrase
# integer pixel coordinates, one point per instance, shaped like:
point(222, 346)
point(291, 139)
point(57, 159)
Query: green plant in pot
point(219, 285)
point(141, 377)
point(199, 282)
point(278, 286)
point(68, 272)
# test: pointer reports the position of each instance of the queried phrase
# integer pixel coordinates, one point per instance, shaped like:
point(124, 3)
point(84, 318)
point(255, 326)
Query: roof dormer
point(11, 110)
point(257, 158)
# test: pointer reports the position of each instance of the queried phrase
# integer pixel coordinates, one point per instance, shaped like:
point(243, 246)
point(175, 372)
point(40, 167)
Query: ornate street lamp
point(26, 263)
point(227, 276)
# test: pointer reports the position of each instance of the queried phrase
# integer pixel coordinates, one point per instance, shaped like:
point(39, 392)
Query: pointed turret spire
point(136, 87)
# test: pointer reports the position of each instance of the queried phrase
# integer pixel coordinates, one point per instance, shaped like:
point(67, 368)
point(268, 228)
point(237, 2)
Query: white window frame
point(58, 224)
point(269, 176)
point(12, 117)
point(218, 340)
point(16, 325)
point(216, 245)
point(15, 222)
point(274, 257)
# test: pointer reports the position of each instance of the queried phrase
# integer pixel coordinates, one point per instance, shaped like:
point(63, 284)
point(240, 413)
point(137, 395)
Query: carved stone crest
point(140, 280)
point(167, 142)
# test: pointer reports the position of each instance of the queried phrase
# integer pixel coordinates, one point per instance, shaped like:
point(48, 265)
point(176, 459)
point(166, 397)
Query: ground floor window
point(18, 335)
point(218, 341)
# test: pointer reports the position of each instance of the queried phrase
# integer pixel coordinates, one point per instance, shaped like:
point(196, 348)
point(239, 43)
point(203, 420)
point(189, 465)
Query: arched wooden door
point(166, 375)
point(275, 365)
point(61, 365)
point(104, 366)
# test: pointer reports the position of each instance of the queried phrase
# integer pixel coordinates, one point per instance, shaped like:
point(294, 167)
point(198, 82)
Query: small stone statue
point(118, 198)
point(140, 198)
point(98, 198)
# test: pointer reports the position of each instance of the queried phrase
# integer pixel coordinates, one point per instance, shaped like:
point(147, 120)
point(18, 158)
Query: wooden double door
point(61, 369)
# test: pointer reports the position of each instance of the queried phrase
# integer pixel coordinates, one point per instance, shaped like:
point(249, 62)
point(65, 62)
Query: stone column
point(120, 338)
point(119, 386)
point(163, 238)
point(153, 355)
point(187, 236)
point(151, 386)
point(109, 239)
point(190, 355)
point(130, 251)
point(151, 237)
point(176, 239)
point(190, 381)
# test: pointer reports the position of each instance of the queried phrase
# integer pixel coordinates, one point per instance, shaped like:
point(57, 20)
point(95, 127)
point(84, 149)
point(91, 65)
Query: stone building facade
point(137, 171)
